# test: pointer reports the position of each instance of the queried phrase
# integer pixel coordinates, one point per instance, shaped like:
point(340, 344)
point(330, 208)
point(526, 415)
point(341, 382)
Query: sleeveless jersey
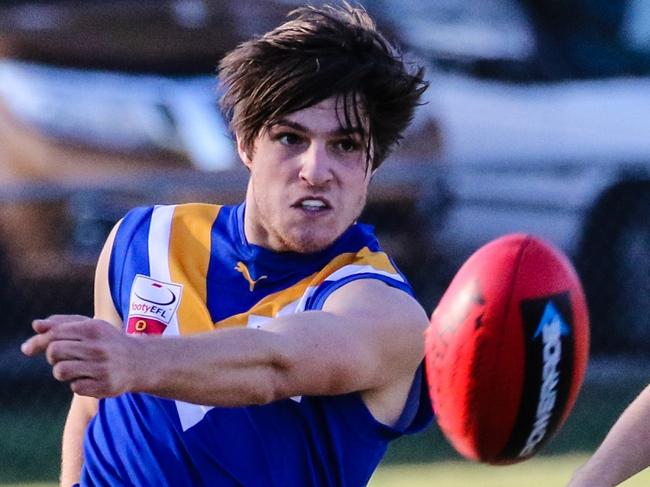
point(185, 269)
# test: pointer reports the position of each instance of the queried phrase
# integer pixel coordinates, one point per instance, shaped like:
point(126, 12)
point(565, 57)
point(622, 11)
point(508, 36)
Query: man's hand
point(92, 355)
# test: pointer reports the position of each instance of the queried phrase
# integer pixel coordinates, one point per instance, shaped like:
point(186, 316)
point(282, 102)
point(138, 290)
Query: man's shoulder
point(365, 263)
point(358, 251)
point(180, 222)
point(190, 212)
point(179, 212)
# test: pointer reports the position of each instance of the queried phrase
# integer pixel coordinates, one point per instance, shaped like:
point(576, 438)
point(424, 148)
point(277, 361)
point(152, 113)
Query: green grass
point(41, 484)
point(38, 484)
point(545, 471)
point(30, 443)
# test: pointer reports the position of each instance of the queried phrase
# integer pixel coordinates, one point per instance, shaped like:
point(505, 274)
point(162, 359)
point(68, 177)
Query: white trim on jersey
point(351, 269)
point(158, 243)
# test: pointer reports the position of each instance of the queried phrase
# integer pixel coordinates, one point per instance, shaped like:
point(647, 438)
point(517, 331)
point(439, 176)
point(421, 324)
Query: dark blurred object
point(591, 38)
point(487, 38)
point(526, 40)
point(543, 109)
point(169, 36)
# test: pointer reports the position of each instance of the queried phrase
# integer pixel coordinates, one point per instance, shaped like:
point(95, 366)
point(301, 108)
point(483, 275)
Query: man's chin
point(309, 244)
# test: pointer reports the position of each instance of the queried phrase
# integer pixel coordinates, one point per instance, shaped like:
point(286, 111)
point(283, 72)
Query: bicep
point(367, 336)
point(386, 321)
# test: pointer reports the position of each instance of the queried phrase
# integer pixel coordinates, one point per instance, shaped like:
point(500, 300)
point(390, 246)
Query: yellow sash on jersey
point(189, 251)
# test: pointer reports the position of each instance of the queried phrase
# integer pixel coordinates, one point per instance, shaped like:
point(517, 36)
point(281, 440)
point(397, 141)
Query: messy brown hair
point(318, 53)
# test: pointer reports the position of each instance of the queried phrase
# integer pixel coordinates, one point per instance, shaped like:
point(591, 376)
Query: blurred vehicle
point(544, 108)
point(109, 105)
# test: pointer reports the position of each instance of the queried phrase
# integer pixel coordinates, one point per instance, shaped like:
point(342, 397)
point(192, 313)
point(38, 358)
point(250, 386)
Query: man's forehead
point(334, 114)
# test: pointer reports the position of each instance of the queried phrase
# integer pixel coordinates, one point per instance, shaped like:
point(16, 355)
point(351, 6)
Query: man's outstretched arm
point(625, 450)
point(368, 337)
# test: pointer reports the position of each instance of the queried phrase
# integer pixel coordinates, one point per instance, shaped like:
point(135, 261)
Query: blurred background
point(537, 120)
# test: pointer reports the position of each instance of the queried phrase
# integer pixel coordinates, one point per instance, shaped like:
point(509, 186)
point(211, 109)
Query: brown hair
point(318, 53)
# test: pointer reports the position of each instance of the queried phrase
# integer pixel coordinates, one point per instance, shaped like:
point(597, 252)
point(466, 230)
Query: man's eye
point(288, 138)
point(348, 145)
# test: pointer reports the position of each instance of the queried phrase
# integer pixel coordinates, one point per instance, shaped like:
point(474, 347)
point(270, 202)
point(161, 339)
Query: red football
point(507, 349)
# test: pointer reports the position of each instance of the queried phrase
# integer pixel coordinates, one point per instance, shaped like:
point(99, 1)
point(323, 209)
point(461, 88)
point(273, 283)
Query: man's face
point(308, 180)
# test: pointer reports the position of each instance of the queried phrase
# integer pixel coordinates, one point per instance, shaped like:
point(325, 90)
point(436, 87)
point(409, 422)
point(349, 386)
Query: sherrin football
point(507, 349)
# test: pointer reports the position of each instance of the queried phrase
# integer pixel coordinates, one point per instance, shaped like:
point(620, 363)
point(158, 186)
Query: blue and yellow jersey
point(185, 269)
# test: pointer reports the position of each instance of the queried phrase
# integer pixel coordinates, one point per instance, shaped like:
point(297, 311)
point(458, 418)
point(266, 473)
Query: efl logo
point(154, 300)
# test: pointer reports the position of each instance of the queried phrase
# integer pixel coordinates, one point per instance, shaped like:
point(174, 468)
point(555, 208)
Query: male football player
point(272, 342)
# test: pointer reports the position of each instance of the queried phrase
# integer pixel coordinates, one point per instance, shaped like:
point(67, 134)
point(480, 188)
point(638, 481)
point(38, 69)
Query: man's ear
point(243, 154)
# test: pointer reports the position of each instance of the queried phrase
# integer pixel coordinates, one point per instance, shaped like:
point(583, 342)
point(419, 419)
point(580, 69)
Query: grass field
point(548, 471)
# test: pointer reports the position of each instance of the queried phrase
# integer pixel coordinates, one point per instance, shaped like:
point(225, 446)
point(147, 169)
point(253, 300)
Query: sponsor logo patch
point(550, 330)
point(152, 305)
point(548, 338)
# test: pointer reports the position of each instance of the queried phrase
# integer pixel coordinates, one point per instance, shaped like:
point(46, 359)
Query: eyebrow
point(301, 128)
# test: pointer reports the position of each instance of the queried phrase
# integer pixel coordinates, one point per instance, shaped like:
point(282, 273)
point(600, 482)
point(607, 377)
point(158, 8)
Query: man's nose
point(316, 165)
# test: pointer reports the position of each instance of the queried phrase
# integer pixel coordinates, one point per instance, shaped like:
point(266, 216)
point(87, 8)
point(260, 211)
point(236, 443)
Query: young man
point(625, 450)
point(291, 345)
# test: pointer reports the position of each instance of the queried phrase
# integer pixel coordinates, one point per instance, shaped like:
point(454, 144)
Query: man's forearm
point(625, 450)
point(222, 368)
point(235, 367)
point(226, 368)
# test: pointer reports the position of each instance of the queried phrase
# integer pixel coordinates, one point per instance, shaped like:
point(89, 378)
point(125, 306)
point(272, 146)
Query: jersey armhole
point(325, 290)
